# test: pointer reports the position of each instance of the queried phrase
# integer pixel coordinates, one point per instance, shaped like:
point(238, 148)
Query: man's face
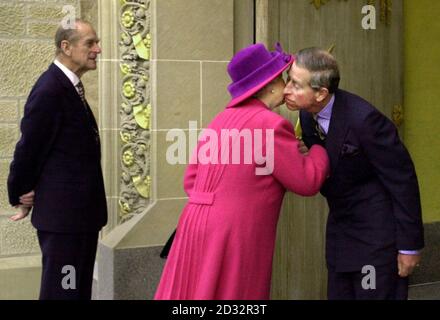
point(298, 93)
point(84, 52)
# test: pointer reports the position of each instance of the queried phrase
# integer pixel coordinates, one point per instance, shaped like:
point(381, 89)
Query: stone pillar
point(109, 91)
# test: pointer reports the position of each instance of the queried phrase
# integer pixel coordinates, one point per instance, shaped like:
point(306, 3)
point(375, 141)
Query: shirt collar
point(69, 73)
point(326, 113)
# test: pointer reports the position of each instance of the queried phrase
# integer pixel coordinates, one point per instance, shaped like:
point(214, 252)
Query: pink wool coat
point(224, 245)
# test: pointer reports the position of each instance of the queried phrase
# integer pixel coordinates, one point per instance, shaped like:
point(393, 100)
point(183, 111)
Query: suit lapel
point(65, 82)
point(73, 94)
point(337, 131)
point(92, 118)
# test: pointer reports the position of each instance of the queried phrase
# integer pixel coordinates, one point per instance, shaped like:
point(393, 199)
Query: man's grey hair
point(322, 66)
point(69, 34)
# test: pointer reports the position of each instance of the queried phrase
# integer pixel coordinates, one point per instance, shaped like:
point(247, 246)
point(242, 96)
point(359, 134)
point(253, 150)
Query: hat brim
point(237, 100)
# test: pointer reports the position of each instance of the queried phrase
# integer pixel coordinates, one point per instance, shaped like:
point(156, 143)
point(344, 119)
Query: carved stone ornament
point(318, 3)
point(135, 111)
point(386, 7)
point(397, 115)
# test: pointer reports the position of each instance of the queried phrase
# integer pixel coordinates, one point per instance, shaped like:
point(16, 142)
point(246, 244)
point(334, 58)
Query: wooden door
point(371, 63)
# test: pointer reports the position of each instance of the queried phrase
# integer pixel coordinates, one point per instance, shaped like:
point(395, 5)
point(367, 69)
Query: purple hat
point(252, 68)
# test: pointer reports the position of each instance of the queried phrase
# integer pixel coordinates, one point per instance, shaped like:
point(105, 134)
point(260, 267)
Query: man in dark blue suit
point(374, 229)
point(56, 168)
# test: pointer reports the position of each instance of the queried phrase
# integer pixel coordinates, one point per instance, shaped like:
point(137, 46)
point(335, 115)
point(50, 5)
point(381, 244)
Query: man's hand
point(24, 211)
point(302, 148)
point(406, 263)
point(28, 199)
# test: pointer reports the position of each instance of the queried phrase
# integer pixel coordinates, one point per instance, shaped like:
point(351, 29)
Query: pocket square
point(349, 149)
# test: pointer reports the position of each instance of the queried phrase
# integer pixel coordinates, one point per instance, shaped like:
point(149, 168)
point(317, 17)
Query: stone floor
point(430, 291)
point(427, 291)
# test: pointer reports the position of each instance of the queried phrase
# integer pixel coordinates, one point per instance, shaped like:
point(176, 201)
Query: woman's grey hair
point(259, 92)
point(69, 34)
point(322, 66)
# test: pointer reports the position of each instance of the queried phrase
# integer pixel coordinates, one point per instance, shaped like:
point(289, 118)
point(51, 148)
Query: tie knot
point(80, 86)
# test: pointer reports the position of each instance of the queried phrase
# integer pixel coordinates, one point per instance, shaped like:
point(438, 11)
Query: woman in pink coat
point(244, 163)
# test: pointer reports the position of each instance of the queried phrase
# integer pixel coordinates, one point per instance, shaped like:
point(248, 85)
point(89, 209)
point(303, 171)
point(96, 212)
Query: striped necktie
point(82, 93)
point(318, 128)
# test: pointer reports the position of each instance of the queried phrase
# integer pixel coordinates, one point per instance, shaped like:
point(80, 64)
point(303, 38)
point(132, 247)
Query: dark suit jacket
point(372, 191)
point(58, 156)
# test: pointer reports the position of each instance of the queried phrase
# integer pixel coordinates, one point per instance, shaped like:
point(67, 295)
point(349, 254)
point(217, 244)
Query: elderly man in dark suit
point(374, 229)
point(56, 168)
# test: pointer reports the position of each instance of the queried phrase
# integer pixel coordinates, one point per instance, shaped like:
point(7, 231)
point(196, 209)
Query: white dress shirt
point(69, 73)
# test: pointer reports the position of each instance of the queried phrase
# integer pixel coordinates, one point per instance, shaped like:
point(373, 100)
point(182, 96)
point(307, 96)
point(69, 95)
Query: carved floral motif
point(135, 111)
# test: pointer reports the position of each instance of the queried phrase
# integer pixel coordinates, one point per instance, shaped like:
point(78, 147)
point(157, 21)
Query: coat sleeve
point(395, 169)
point(39, 127)
point(300, 174)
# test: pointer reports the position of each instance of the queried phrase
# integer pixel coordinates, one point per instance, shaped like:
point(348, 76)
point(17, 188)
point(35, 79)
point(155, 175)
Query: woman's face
point(278, 87)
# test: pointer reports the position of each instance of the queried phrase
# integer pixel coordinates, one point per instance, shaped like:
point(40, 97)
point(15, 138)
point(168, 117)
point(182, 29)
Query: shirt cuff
point(409, 252)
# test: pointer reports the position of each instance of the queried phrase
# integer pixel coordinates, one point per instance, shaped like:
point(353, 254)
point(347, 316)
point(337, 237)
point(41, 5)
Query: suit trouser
point(386, 285)
point(68, 261)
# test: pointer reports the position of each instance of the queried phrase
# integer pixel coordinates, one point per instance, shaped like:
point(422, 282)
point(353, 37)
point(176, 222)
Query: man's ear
point(66, 47)
point(322, 94)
